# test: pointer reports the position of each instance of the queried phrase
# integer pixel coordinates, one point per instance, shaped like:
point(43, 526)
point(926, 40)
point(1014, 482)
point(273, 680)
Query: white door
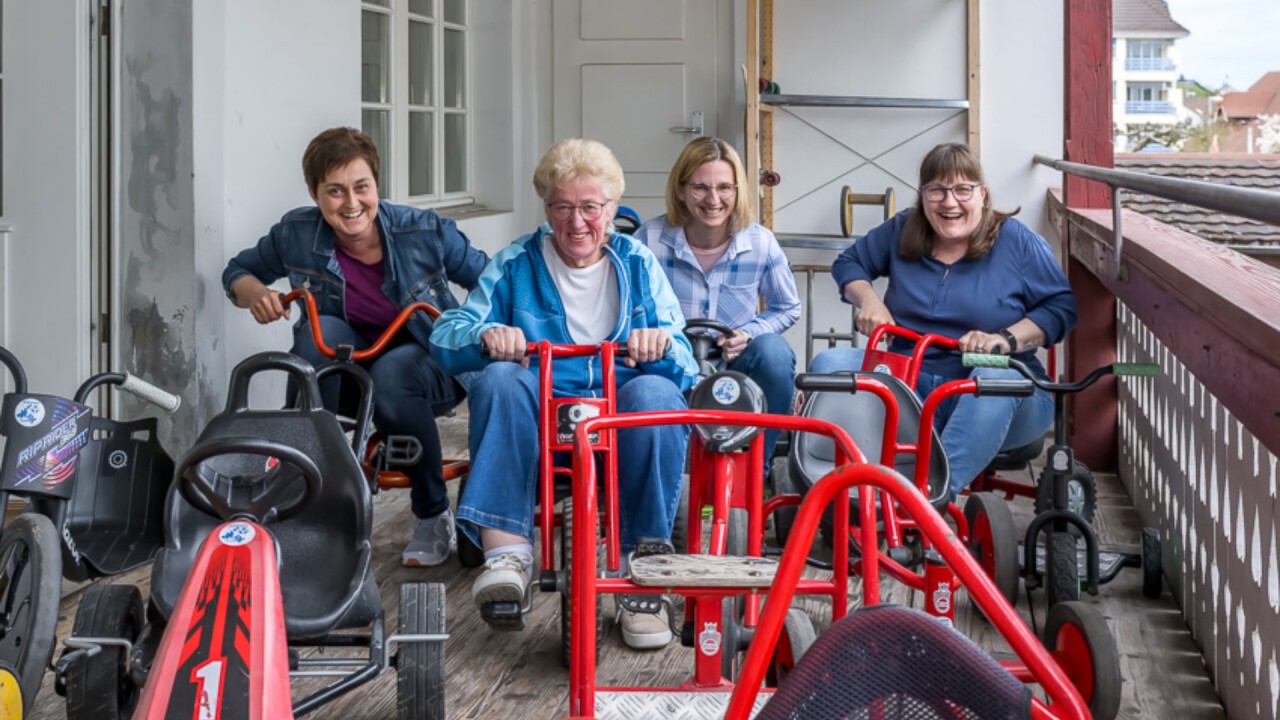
point(638, 76)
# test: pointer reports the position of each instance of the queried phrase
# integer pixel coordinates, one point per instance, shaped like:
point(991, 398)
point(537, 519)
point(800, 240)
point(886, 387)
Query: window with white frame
point(415, 98)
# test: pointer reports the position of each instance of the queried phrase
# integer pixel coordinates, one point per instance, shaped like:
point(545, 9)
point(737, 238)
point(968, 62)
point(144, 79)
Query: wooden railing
point(1198, 447)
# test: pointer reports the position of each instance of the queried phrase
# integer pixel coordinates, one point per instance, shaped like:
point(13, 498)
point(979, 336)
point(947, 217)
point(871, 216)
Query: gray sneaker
point(433, 539)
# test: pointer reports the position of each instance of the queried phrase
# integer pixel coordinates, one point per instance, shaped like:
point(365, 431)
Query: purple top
point(369, 311)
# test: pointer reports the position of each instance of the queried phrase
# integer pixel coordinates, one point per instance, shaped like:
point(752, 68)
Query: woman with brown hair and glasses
point(958, 268)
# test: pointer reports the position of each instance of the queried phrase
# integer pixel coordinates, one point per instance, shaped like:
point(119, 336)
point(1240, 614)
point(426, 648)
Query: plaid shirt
point(754, 268)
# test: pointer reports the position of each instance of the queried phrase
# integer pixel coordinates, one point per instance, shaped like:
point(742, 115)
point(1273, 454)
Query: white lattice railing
point(1196, 473)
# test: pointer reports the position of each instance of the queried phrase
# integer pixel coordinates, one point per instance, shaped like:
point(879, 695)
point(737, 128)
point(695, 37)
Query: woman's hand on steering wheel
point(733, 345)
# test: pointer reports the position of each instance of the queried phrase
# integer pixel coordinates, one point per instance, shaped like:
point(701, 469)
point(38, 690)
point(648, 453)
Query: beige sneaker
point(646, 631)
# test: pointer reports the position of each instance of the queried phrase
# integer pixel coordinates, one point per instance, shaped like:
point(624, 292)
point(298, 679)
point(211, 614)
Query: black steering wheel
point(704, 345)
point(203, 494)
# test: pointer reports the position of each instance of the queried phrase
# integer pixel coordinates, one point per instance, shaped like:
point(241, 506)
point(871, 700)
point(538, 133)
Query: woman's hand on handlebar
point(268, 307)
point(733, 346)
point(506, 343)
point(976, 341)
point(872, 313)
point(647, 345)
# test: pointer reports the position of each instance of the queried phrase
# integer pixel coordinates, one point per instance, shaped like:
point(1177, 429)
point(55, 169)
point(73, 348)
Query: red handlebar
point(313, 318)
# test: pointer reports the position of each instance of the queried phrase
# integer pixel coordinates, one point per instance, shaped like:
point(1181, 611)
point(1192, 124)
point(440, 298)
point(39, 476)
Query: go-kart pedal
point(397, 451)
point(508, 615)
point(648, 604)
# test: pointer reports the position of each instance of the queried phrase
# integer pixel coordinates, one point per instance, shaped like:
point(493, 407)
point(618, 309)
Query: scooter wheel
point(1151, 585)
point(1061, 566)
point(31, 572)
point(1077, 638)
point(992, 541)
point(420, 665)
point(99, 686)
point(798, 635)
point(1082, 493)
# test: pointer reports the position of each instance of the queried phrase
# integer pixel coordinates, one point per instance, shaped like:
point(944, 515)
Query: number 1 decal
point(209, 695)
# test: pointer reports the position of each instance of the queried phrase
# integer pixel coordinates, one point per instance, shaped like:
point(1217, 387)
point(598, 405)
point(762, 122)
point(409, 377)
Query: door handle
point(694, 128)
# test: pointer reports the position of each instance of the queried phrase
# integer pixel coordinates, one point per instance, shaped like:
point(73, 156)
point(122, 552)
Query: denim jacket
point(422, 253)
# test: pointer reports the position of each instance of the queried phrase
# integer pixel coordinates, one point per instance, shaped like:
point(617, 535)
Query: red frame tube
point(1066, 702)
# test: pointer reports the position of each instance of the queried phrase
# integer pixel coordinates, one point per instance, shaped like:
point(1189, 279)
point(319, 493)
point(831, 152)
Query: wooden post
point(1087, 139)
point(973, 32)
point(752, 130)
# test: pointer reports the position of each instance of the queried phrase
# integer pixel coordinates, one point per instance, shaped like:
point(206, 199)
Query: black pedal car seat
point(861, 414)
point(897, 662)
point(1017, 458)
point(727, 390)
point(325, 549)
point(116, 514)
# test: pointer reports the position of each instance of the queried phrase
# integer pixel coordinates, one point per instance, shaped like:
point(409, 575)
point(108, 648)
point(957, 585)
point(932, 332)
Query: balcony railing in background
point(1148, 107)
point(1141, 64)
point(1198, 446)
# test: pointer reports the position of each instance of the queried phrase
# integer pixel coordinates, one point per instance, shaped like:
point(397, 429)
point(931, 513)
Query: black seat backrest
point(862, 415)
point(897, 662)
point(324, 549)
point(727, 390)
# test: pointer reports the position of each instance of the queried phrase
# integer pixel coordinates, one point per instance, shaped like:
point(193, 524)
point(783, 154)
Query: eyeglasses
point(590, 211)
point(700, 190)
point(962, 192)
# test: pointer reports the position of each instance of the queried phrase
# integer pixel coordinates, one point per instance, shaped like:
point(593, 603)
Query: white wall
point(46, 181)
point(267, 76)
point(906, 50)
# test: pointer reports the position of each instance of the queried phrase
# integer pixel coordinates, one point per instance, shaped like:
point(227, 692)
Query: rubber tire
point(799, 635)
point(99, 687)
point(1151, 568)
point(783, 517)
point(735, 537)
point(995, 548)
point(566, 605)
point(1061, 566)
point(28, 645)
point(420, 665)
point(1080, 477)
point(731, 639)
point(1073, 628)
point(680, 528)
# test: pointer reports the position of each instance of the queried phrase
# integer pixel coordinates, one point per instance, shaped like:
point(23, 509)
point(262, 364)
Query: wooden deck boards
point(518, 675)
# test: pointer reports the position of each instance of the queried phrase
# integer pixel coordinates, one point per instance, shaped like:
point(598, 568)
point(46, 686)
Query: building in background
point(1145, 96)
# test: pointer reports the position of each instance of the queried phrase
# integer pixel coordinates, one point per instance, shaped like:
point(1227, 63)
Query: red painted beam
point(1087, 139)
point(1217, 310)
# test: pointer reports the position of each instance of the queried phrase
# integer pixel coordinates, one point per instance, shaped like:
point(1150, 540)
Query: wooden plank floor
point(506, 675)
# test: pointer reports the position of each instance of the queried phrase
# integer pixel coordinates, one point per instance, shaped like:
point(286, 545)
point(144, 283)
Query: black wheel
point(735, 539)
point(680, 529)
point(566, 604)
point(420, 665)
point(783, 517)
point(798, 635)
point(30, 585)
point(99, 686)
point(1078, 639)
point(1082, 492)
point(731, 639)
point(1061, 568)
point(992, 541)
point(1151, 586)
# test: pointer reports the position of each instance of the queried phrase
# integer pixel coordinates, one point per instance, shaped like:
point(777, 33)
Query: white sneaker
point(506, 578)
point(433, 539)
point(646, 631)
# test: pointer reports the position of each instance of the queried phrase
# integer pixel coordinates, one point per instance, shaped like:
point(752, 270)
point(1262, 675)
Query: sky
point(1235, 41)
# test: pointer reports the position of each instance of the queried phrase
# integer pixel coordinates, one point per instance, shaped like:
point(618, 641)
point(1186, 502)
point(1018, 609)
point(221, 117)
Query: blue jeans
point(503, 485)
point(409, 391)
point(771, 363)
point(973, 429)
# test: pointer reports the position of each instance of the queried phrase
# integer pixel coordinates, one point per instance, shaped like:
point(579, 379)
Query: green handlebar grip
point(1139, 369)
point(983, 360)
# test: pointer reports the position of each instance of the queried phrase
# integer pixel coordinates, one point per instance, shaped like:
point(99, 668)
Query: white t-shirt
point(590, 296)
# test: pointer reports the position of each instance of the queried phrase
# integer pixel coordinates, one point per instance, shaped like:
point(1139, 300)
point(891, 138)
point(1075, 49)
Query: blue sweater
point(1018, 278)
point(516, 289)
